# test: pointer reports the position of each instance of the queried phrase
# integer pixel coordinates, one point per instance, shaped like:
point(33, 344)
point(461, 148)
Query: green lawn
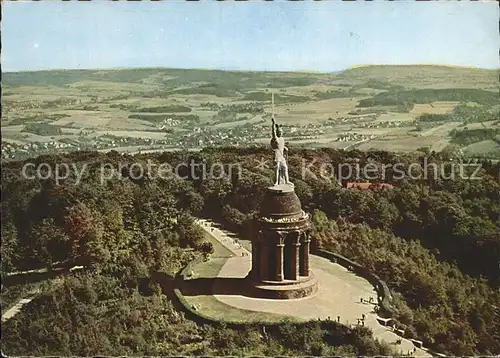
point(483, 147)
point(209, 268)
point(213, 308)
point(216, 309)
point(219, 249)
point(212, 267)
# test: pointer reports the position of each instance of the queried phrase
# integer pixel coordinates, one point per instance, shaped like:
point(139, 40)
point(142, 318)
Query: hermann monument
point(280, 249)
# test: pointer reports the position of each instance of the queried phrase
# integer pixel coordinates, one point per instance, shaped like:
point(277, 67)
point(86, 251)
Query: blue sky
point(317, 36)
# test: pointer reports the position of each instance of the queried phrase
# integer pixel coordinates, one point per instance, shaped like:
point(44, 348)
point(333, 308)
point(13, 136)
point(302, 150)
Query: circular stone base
point(306, 286)
point(281, 188)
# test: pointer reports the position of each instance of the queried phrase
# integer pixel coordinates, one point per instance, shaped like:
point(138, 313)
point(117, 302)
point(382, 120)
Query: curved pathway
point(339, 294)
point(11, 312)
point(28, 297)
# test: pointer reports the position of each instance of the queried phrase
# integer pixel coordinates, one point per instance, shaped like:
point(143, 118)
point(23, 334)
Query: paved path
point(11, 312)
point(27, 272)
point(224, 239)
point(42, 270)
point(339, 294)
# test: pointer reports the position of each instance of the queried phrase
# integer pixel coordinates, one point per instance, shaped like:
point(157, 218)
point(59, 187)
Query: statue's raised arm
point(273, 130)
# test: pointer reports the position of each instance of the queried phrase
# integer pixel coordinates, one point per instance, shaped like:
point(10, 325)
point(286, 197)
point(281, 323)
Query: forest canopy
point(433, 240)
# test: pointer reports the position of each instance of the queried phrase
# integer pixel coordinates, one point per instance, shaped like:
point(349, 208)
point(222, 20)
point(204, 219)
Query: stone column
point(305, 252)
point(263, 269)
point(279, 258)
point(294, 259)
point(256, 259)
point(255, 255)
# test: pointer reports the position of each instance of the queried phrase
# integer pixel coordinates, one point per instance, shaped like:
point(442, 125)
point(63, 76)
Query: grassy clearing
point(440, 145)
point(252, 120)
point(478, 125)
point(433, 108)
point(483, 147)
point(163, 109)
point(210, 268)
point(132, 134)
point(218, 258)
point(86, 119)
point(407, 144)
point(219, 249)
point(130, 124)
point(215, 309)
point(314, 112)
point(441, 130)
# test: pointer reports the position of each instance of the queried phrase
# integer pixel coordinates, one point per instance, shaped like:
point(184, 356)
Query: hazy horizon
point(317, 37)
point(250, 70)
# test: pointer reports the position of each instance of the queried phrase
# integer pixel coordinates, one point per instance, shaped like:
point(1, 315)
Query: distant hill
point(409, 76)
point(170, 77)
point(425, 76)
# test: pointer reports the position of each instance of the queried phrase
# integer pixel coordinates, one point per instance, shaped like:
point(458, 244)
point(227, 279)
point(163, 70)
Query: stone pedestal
point(294, 261)
point(283, 237)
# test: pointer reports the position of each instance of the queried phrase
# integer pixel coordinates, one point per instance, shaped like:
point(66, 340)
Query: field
point(436, 107)
point(398, 145)
point(485, 146)
point(426, 76)
point(364, 107)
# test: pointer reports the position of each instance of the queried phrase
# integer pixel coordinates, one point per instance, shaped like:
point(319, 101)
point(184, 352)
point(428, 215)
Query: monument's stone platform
point(286, 289)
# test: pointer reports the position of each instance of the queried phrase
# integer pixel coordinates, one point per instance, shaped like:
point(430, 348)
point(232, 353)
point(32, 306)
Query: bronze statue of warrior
point(280, 154)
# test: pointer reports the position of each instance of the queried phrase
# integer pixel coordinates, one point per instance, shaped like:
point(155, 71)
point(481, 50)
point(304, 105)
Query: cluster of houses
point(21, 106)
point(207, 136)
point(351, 137)
point(384, 124)
point(14, 106)
point(252, 107)
point(15, 151)
point(168, 123)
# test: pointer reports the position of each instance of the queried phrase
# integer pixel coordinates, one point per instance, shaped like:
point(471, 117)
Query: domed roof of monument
point(280, 200)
